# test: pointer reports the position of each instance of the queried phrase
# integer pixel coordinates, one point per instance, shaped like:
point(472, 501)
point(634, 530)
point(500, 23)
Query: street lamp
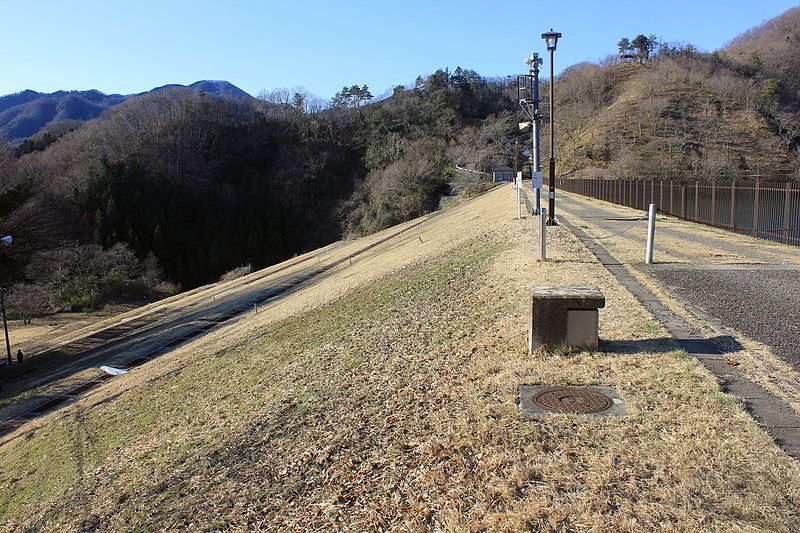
point(551, 39)
point(533, 63)
point(7, 240)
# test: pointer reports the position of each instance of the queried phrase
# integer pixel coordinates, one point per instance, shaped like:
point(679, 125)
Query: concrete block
point(550, 310)
point(582, 327)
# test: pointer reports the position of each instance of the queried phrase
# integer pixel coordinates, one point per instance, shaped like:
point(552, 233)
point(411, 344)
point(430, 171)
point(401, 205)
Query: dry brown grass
point(383, 398)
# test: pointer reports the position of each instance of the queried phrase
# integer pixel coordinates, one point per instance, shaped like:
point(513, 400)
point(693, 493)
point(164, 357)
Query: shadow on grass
point(719, 345)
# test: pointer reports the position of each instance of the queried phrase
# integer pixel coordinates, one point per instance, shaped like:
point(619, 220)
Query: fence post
point(622, 192)
point(786, 213)
point(733, 204)
point(630, 194)
point(713, 202)
point(755, 208)
point(697, 200)
point(671, 197)
point(652, 190)
point(636, 197)
point(661, 195)
point(683, 199)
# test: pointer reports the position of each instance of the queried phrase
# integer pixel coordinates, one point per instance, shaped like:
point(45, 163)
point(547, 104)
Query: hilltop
point(29, 113)
point(173, 185)
point(654, 125)
point(729, 114)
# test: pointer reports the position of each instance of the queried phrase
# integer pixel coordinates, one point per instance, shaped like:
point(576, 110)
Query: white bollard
point(651, 233)
point(542, 234)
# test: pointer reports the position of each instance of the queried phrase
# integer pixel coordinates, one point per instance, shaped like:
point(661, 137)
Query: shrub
point(237, 272)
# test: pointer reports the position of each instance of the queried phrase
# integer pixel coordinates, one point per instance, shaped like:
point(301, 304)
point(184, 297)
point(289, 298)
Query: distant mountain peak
point(26, 113)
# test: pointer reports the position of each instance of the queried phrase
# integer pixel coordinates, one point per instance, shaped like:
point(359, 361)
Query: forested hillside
point(36, 119)
point(178, 186)
point(680, 113)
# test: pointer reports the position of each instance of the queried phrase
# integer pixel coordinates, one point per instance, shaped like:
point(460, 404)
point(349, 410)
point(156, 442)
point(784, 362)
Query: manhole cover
point(572, 400)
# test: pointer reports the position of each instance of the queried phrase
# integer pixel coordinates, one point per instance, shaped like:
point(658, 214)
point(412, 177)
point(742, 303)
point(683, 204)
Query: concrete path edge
point(773, 414)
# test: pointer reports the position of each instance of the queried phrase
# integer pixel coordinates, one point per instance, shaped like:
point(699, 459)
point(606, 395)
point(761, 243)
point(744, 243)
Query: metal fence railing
point(766, 209)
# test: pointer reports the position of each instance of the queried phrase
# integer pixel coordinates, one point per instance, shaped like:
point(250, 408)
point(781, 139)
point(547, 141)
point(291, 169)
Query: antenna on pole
point(528, 95)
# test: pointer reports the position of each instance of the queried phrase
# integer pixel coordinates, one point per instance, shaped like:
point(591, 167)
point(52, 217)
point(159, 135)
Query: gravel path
point(762, 304)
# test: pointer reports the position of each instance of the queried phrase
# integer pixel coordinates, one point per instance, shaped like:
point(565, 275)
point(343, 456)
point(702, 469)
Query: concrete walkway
point(755, 298)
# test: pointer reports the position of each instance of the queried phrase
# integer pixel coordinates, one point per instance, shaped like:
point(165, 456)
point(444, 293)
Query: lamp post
point(7, 240)
point(533, 63)
point(551, 39)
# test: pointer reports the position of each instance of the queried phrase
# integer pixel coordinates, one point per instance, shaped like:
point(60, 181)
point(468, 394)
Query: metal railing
point(766, 209)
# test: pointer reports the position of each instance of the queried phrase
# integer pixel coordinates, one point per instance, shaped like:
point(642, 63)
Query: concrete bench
point(564, 316)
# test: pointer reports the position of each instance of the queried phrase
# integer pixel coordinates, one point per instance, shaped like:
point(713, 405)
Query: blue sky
point(128, 47)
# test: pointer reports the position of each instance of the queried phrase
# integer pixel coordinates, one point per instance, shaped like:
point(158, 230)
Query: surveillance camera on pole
point(531, 109)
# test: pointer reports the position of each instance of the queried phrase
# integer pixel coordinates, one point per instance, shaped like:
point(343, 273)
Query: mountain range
point(24, 114)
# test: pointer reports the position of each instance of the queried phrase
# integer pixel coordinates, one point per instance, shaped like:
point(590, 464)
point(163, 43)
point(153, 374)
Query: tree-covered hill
point(193, 186)
point(28, 113)
point(678, 112)
point(184, 184)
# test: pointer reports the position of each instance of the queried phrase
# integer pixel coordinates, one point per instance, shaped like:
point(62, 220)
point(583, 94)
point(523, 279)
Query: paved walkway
point(756, 299)
point(747, 284)
point(675, 239)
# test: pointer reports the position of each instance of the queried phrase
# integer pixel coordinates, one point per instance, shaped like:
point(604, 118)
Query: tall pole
point(551, 38)
point(537, 164)
point(551, 212)
point(5, 324)
point(5, 241)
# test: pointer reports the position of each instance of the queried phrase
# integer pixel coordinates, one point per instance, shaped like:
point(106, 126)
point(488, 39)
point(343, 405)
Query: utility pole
point(551, 38)
point(533, 63)
point(5, 241)
point(5, 324)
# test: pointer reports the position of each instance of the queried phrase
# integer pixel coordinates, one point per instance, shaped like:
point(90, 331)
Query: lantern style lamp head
point(551, 38)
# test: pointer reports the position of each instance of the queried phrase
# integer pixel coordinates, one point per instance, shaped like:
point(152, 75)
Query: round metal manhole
point(572, 400)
